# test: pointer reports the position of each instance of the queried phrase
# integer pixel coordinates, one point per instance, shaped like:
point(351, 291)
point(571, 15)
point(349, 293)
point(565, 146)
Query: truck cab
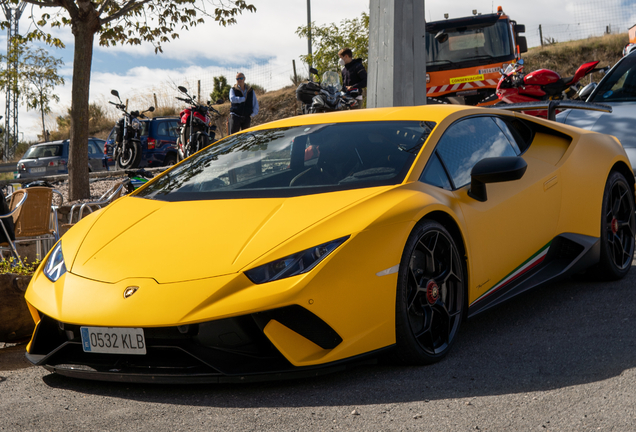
point(465, 55)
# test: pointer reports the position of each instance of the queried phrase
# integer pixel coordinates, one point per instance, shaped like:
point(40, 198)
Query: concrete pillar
point(397, 53)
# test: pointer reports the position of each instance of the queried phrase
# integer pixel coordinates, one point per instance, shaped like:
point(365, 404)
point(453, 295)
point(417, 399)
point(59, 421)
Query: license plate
point(38, 170)
point(113, 340)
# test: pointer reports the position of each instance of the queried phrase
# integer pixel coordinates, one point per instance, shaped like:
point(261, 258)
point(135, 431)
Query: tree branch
point(132, 4)
point(44, 3)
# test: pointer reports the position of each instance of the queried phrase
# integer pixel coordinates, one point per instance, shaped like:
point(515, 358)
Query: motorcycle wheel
point(200, 141)
point(129, 157)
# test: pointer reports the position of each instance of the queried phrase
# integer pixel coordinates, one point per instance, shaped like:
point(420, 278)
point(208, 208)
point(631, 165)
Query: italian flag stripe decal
point(528, 265)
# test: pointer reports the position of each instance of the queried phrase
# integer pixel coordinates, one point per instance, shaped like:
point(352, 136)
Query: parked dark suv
point(51, 158)
point(158, 142)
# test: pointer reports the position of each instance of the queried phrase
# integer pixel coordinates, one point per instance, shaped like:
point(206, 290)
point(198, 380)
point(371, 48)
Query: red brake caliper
point(432, 292)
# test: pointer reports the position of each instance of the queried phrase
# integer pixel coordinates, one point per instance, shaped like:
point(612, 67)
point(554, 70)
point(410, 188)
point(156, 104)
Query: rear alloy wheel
point(430, 295)
point(618, 227)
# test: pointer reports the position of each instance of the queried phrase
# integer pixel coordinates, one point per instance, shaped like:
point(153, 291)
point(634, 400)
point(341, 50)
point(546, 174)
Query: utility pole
point(397, 53)
point(309, 30)
point(12, 14)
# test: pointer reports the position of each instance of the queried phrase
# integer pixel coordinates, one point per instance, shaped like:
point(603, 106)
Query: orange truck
point(465, 55)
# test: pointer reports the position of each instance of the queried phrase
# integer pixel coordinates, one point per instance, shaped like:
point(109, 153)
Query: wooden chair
point(37, 219)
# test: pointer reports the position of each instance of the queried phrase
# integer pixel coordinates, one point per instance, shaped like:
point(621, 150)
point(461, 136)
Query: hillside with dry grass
point(563, 58)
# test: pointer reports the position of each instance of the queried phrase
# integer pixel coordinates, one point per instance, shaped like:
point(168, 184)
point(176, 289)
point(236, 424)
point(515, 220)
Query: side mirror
point(182, 89)
point(441, 36)
point(219, 101)
point(520, 28)
point(151, 109)
point(523, 44)
point(494, 170)
point(115, 93)
point(313, 71)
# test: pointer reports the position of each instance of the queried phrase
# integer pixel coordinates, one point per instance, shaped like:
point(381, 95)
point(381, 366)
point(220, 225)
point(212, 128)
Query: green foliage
point(133, 21)
point(34, 78)
point(11, 265)
point(259, 90)
point(221, 89)
point(327, 40)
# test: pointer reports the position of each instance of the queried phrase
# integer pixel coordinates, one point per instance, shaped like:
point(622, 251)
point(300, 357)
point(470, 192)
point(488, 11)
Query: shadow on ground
point(561, 335)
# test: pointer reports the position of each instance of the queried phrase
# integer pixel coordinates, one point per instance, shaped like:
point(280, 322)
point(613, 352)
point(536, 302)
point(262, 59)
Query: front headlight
point(292, 265)
point(55, 268)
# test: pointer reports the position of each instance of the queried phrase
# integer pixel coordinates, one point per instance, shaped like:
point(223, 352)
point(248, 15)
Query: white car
point(617, 89)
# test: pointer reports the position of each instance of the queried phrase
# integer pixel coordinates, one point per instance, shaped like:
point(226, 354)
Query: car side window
point(93, 149)
point(173, 129)
point(435, 175)
point(468, 141)
point(162, 129)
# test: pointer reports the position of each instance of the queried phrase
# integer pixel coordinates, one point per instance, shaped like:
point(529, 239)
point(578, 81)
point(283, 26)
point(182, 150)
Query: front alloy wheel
point(430, 295)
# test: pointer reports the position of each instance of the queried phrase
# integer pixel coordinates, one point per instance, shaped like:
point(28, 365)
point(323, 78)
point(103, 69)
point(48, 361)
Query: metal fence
point(592, 18)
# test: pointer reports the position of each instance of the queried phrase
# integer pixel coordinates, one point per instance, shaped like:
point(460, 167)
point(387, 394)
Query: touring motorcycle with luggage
point(327, 95)
point(127, 151)
point(197, 125)
point(515, 86)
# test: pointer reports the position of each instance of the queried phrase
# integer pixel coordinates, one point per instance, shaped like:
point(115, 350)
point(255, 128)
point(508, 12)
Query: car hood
point(179, 241)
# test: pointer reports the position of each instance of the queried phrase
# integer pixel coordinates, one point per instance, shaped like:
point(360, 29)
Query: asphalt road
point(559, 358)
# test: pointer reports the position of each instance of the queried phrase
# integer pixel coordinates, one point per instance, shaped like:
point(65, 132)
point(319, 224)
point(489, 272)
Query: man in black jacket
point(244, 105)
point(354, 75)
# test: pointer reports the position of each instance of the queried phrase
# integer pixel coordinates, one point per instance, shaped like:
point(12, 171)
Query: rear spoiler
point(553, 105)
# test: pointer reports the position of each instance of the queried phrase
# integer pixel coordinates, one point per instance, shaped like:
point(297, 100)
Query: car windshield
point(484, 44)
point(295, 161)
point(40, 151)
point(619, 84)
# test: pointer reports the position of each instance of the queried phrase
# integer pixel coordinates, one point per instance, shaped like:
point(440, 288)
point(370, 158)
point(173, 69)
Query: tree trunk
point(44, 136)
point(84, 28)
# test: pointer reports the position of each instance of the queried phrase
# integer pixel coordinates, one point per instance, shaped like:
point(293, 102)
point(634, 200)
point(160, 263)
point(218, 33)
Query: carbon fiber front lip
point(82, 372)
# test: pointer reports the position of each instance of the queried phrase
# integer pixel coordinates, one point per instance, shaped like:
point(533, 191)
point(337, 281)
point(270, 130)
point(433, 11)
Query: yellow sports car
point(302, 244)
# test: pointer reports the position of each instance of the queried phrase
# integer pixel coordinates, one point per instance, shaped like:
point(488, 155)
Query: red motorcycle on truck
point(541, 85)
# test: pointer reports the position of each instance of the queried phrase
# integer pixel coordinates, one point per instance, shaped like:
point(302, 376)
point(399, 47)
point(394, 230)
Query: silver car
point(51, 158)
point(617, 89)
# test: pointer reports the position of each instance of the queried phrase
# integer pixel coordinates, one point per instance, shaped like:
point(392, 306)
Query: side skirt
point(566, 254)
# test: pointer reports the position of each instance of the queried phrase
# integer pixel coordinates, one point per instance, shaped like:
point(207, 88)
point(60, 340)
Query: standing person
point(354, 75)
point(244, 105)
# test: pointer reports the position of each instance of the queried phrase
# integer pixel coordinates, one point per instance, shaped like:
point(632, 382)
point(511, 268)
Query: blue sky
point(267, 37)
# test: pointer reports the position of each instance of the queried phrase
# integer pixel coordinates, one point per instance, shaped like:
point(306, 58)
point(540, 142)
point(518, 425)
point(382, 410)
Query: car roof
point(432, 112)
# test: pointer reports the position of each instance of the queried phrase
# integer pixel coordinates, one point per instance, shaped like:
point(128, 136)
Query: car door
point(95, 155)
point(512, 228)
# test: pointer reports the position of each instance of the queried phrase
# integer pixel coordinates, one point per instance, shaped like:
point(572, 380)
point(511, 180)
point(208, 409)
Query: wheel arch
point(451, 225)
point(626, 171)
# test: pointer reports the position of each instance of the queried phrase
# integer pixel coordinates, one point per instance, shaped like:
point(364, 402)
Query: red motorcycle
point(516, 87)
point(197, 126)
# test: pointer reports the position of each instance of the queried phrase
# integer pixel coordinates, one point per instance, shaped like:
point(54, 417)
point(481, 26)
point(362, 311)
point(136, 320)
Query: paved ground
point(560, 358)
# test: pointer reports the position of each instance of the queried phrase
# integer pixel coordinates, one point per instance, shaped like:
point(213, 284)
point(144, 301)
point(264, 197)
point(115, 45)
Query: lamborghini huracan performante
point(305, 244)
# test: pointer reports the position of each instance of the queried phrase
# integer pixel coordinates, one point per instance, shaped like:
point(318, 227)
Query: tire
point(170, 160)
point(129, 157)
point(618, 227)
point(200, 141)
point(431, 295)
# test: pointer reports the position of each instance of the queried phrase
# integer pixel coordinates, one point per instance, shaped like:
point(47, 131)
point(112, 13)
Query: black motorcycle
point(127, 151)
point(327, 95)
point(197, 126)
